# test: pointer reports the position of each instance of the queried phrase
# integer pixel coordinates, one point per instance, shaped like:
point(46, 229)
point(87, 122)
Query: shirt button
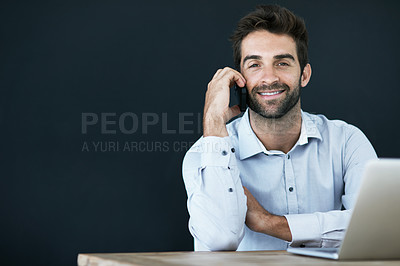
point(224, 153)
point(302, 246)
point(230, 189)
point(288, 156)
point(233, 150)
point(291, 189)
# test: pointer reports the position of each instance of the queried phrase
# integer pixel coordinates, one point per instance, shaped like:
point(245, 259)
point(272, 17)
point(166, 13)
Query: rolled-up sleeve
point(216, 200)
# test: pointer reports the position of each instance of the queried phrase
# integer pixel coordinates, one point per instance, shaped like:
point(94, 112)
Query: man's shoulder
point(326, 125)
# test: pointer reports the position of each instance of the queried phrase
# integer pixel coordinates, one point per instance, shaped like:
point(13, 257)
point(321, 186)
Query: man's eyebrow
point(248, 57)
point(276, 57)
point(283, 56)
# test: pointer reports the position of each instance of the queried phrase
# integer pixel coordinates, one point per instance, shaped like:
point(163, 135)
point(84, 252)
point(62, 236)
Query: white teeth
point(270, 93)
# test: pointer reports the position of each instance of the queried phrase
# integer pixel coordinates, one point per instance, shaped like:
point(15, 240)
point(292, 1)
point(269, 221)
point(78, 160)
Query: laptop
point(374, 227)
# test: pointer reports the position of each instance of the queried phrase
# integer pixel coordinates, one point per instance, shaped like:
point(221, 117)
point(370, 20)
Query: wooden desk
point(215, 258)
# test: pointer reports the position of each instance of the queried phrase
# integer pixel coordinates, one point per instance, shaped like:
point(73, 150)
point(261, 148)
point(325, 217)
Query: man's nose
point(269, 75)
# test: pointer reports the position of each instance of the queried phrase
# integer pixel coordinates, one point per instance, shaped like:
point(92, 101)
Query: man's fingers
point(230, 74)
point(248, 195)
point(251, 200)
point(217, 73)
point(239, 79)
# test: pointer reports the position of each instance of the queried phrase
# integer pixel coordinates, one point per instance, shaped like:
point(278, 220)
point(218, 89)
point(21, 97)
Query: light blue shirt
point(314, 185)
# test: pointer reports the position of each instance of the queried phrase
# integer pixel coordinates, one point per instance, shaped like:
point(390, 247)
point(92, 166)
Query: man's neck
point(277, 133)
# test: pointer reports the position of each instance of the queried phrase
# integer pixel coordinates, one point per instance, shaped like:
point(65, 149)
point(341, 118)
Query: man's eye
point(283, 64)
point(254, 65)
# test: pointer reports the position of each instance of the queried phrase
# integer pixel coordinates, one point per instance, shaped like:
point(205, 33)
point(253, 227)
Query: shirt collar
point(250, 145)
point(309, 128)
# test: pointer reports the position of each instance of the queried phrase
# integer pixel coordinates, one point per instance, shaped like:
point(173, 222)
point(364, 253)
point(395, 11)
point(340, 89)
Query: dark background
point(60, 59)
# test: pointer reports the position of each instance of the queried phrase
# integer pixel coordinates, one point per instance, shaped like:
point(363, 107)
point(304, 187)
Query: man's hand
point(260, 220)
point(216, 108)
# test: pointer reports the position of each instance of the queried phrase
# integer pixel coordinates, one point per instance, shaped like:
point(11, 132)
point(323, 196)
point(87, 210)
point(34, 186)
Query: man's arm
point(319, 229)
point(216, 201)
point(260, 220)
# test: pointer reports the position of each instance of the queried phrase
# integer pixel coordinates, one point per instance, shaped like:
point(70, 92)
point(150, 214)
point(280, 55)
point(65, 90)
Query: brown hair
point(275, 19)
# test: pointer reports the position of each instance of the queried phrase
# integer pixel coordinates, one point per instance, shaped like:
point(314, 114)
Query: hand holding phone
point(217, 111)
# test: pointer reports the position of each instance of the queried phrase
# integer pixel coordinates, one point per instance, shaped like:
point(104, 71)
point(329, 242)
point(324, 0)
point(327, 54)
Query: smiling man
point(277, 176)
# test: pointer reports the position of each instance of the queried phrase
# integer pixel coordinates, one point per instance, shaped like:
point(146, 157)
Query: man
point(277, 176)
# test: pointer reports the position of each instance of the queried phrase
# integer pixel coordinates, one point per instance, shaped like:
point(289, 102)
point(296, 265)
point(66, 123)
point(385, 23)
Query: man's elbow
point(224, 242)
point(218, 241)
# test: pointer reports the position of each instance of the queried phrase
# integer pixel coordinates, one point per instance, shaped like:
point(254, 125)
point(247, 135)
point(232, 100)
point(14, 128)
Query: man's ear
point(305, 76)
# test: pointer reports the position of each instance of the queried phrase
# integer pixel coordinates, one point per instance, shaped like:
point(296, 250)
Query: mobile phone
point(241, 93)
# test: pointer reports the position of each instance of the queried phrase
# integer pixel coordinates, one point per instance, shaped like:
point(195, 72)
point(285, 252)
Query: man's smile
point(271, 94)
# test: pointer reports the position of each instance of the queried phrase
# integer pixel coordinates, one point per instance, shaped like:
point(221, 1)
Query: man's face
point(271, 68)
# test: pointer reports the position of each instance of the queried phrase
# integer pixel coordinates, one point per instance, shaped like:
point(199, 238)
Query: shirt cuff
point(215, 151)
point(305, 230)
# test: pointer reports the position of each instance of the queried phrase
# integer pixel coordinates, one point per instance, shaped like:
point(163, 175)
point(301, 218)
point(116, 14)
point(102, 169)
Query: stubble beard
point(271, 111)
